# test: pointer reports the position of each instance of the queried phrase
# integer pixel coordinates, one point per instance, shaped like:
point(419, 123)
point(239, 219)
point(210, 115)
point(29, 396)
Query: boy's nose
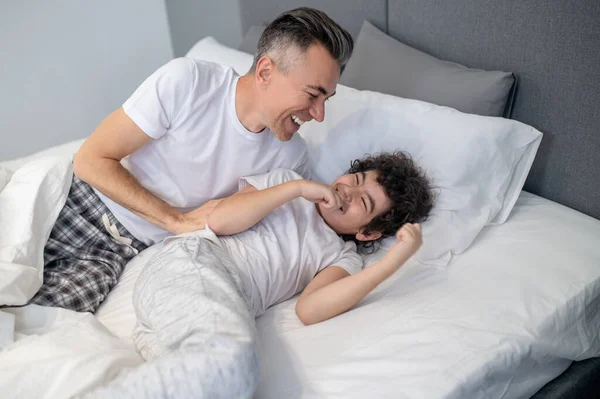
point(346, 192)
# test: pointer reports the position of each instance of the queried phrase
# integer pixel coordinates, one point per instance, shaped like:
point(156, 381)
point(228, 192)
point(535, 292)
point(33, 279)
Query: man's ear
point(264, 71)
point(371, 236)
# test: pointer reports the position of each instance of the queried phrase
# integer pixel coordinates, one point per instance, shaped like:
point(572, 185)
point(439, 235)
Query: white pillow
point(480, 176)
point(209, 49)
point(478, 163)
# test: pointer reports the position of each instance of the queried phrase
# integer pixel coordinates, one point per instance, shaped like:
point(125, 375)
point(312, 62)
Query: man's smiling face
point(298, 96)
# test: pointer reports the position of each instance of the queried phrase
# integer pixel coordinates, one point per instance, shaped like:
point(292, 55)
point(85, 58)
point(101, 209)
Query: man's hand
point(410, 239)
point(196, 219)
point(320, 194)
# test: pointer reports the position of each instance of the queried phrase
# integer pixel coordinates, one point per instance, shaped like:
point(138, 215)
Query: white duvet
point(505, 318)
point(45, 352)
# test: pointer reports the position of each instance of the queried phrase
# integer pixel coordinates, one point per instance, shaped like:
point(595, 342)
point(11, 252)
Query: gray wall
point(64, 65)
point(191, 20)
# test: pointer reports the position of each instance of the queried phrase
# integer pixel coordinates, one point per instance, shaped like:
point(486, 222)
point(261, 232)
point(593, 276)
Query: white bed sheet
point(506, 318)
point(59, 353)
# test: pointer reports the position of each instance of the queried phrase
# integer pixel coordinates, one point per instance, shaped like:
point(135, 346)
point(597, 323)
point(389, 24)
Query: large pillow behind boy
point(478, 164)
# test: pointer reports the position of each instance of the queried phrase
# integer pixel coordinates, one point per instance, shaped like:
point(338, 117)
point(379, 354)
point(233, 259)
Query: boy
point(279, 235)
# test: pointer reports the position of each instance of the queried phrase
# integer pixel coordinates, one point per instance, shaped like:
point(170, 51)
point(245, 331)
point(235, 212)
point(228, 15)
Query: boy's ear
point(371, 236)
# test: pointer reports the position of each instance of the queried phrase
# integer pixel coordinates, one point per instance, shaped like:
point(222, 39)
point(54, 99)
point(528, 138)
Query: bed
point(504, 317)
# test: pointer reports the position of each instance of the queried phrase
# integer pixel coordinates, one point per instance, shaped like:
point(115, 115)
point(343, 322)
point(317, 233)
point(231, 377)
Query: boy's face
point(299, 96)
point(362, 200)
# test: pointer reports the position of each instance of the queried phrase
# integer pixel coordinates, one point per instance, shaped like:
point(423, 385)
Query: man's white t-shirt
point(281, 254)
point(200, 148)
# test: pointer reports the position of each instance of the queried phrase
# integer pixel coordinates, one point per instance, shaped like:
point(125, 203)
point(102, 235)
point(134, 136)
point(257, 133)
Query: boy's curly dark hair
point(405, 184)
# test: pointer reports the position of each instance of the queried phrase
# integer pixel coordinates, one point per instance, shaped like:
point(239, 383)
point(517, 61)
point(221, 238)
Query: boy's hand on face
point(320, 193)
point(409, 240)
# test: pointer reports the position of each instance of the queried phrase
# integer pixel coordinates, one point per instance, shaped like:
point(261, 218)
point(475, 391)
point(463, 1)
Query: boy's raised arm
point(334, 291)
point(243, 210)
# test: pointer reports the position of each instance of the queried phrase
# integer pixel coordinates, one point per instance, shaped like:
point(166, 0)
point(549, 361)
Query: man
point(149, 169)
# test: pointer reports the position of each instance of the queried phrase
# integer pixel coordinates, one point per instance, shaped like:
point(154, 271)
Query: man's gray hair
point(288, 37)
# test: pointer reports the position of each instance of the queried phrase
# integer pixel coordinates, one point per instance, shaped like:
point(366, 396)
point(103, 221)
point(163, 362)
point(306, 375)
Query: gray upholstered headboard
point(552, 46)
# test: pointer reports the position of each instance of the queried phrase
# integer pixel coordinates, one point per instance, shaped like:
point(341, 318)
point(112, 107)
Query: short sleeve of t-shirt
point(156, 102)
point(303, 168)
point(270, 179)
point(349, 259)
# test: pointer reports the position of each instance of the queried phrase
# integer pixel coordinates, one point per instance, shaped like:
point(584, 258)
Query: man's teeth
point(297, 120)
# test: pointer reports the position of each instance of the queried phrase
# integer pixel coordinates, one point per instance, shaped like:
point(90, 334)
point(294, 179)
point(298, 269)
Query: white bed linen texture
point(504, 319)
point(59, 353)
point(507, 317)
point(29, 205)
point(45, 352)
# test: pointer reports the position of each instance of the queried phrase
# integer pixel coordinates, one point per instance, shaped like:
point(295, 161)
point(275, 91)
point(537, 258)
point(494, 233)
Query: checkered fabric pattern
point(82, 262)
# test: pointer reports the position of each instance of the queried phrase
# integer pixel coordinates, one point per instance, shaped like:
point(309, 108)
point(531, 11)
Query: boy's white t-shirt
point(281, 254)
point(200, 148)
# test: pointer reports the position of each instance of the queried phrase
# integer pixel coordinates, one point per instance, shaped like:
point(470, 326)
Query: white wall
point(191, 20)
point(65, 65)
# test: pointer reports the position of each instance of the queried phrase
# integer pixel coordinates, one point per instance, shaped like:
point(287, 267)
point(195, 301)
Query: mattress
point(507, 317)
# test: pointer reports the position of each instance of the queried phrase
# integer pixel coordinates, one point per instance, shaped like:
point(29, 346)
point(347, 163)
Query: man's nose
point(317, 111)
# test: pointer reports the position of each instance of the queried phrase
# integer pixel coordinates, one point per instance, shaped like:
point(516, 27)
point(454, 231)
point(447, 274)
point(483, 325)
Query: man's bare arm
point(98, 163)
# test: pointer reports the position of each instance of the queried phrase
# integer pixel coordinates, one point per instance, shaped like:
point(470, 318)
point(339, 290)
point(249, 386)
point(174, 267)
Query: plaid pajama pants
point(82, 260)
